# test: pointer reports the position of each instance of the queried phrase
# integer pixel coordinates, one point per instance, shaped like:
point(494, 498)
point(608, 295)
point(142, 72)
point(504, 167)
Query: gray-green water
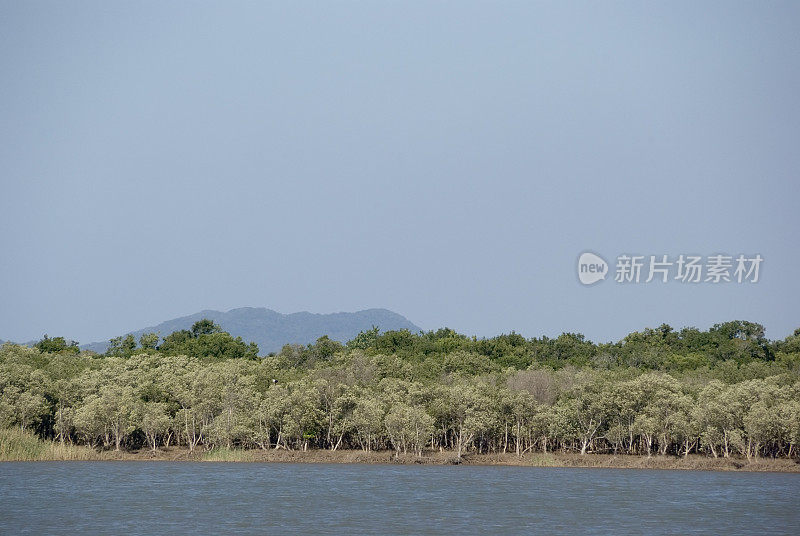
point(209, 498)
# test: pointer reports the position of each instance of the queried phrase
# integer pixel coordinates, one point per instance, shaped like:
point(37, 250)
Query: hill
point(271, 330)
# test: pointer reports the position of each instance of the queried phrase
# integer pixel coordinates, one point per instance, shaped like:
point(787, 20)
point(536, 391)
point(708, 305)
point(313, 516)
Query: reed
point(17, 445)
point(223, 454)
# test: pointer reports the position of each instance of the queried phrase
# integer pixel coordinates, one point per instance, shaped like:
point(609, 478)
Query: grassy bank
point(16, 445)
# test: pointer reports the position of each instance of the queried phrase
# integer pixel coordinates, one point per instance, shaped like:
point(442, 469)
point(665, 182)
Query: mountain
point(29, 343)
point(271, 330)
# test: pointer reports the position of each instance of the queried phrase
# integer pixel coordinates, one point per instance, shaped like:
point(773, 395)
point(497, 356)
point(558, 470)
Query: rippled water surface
point(210, 498)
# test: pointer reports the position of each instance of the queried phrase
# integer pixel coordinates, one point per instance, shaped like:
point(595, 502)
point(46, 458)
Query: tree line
point(723, 392)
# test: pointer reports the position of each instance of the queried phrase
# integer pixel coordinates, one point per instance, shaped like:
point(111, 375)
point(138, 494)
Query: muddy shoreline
point(692, 462)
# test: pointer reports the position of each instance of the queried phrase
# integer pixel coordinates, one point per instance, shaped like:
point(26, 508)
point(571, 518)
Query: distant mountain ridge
point(271, 330)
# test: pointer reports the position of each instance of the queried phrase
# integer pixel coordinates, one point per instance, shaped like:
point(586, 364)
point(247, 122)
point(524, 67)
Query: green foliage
point(176, 341)
point(325, 348)
point(225, 454)
point(364, 340)
point(149, 341)
point(204, 327)
point(16, 445)
point(207, 340)
point(723, 392)
point(57, 345)
point(122, 346)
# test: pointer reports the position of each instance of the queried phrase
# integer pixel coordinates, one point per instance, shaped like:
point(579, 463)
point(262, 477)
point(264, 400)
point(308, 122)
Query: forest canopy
point(726, 391)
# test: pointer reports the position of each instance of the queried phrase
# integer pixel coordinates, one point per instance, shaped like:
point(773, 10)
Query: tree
point(367, 420)
point(209, 343)
point(589, 409)
point(153, 419)
point(236, 400)
point(741, 340)
point(522, 408)
point(57, 345)
point(109, 413)
point(122, 346)
point(177, 342)
point(205, 327)
point(24, 408)
point(149, 341)
point(64, 390)
point(325, 348)
point(269, 418)
point(301, 422)
point(364, 339)
point(408, 427)
point(721, 397)
point(462, 411)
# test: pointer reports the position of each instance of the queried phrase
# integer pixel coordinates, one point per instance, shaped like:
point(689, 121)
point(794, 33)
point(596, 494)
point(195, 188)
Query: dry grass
point(16, 445)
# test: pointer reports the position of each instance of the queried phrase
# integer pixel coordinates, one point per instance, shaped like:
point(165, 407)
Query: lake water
point(210, 498)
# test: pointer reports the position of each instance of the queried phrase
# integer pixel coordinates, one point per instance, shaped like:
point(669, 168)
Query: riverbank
point(18, 446)
point(693, 462)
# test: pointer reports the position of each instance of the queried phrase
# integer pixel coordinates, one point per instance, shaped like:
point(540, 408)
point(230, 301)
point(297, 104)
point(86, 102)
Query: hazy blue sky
point(448, 161)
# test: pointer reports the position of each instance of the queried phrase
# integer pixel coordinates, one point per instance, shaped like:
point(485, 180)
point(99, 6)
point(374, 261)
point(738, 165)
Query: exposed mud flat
point(692, 462)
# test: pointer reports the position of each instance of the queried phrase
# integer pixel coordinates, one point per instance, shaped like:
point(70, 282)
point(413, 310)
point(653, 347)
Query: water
point(211, 498)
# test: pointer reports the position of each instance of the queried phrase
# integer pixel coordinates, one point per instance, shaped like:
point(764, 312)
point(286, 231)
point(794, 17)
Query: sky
point(448, 161)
